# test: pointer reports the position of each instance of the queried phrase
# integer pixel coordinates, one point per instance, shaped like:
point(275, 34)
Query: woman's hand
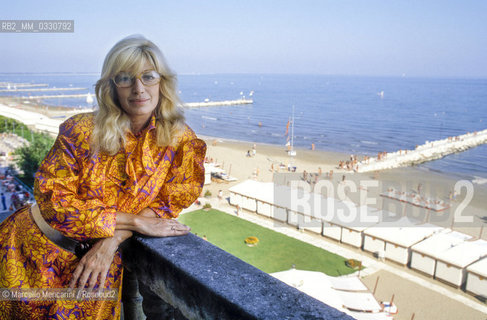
point(96, 262)
point(159, 227)
point(150, 225)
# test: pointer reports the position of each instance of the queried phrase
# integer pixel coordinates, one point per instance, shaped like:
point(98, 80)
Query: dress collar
point(151, 126)
point(148, 139)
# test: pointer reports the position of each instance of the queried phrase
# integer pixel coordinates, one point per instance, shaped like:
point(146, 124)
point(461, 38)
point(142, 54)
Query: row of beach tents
point(449, 256)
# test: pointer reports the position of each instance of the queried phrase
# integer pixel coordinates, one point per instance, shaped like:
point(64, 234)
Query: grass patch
point(274, 251)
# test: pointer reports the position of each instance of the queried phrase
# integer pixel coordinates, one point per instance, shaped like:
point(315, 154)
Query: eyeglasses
point(126, 80)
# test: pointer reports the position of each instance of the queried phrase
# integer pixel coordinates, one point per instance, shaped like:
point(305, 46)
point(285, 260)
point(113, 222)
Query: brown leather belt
point(52, 234)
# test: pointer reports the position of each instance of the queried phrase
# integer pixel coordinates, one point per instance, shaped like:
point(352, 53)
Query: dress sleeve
point(57, 183)
point(184, 181)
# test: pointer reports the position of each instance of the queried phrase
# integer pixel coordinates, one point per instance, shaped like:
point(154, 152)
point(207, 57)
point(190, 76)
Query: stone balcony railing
point(189, 278)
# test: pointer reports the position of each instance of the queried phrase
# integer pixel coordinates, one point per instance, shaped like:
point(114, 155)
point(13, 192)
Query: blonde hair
point(111, 122)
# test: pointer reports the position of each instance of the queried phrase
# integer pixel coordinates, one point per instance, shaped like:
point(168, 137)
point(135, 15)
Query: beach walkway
point(217, 103)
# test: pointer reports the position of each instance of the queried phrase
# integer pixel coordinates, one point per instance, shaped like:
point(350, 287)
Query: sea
point(350, 114)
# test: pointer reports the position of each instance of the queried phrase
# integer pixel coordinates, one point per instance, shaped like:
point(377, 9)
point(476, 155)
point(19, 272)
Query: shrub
point(354, 264)
point(207, 206)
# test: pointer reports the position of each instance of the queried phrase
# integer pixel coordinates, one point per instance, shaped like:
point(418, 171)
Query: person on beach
point(237, 212)
point(15, 202)
point(4, 202)
point(132, 166)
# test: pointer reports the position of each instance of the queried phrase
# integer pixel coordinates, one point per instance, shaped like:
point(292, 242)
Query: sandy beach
point(419, 300)
point(414, 293)
point(231, 155)
point(410, 297)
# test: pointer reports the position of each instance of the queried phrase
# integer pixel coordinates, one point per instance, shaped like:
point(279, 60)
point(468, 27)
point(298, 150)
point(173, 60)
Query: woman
point(130, 167)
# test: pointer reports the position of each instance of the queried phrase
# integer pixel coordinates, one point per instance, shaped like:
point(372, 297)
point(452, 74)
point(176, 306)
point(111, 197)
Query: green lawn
point(274, 252)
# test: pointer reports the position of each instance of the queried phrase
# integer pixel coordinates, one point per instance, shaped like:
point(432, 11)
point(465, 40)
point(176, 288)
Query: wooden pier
point(185, 105)
point(43, 89)
point(217, 103)
point(23, 85)
point(56, 96)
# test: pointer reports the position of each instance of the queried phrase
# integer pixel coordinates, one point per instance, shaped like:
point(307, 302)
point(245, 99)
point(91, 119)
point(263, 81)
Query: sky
point(427, 38)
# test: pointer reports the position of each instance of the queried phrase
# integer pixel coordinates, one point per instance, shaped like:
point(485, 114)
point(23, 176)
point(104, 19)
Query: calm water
point(337, 113)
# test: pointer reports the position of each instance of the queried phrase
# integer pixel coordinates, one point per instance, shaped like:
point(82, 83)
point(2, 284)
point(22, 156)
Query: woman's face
point(139, 100)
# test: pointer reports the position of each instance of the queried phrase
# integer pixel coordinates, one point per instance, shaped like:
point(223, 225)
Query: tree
point(30, 156)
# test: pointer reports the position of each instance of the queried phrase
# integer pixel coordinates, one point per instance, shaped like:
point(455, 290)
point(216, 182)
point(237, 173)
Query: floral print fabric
point(79, 194)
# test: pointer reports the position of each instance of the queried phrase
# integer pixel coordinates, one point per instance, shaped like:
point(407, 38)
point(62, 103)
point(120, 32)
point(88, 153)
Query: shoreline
point(231, 155)
point(315, 155)
point(319, 154)
point(59, 111)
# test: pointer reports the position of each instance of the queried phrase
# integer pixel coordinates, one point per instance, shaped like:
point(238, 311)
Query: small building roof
point(465, 253)
point(479, 267)
point(404, 231)
point(440, 242)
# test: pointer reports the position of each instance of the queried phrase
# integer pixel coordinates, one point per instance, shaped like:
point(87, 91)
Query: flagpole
point(292, 133)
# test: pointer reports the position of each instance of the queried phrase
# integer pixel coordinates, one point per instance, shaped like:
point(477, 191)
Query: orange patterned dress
point(78, 194)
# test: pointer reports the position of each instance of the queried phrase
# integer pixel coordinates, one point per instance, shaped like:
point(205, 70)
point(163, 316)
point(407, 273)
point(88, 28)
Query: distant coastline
point(358, 115)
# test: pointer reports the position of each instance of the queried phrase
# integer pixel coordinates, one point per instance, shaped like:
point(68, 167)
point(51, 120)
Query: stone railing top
point(205, 282)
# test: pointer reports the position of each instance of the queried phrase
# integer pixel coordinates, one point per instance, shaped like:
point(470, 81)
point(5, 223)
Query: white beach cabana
point(452, 263)
point(247, 193)
point(352, 233)
point(372, 243)
point(424, 254)
point(477, 278)
point(296, 213)
point(261, 197)
point(306, 217)
point(275, 203)
point(334, 221)
point(395, 238)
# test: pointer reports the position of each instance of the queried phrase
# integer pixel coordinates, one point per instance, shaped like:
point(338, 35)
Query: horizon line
point(266, 73)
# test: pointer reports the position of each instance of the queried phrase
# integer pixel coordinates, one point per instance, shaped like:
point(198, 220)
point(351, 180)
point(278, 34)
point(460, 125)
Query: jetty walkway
point(430, 150)
point(217, 103)
point(51, 125)
point(86, 95)
point(21, 85)
point(41, 89)
point(56, 96)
